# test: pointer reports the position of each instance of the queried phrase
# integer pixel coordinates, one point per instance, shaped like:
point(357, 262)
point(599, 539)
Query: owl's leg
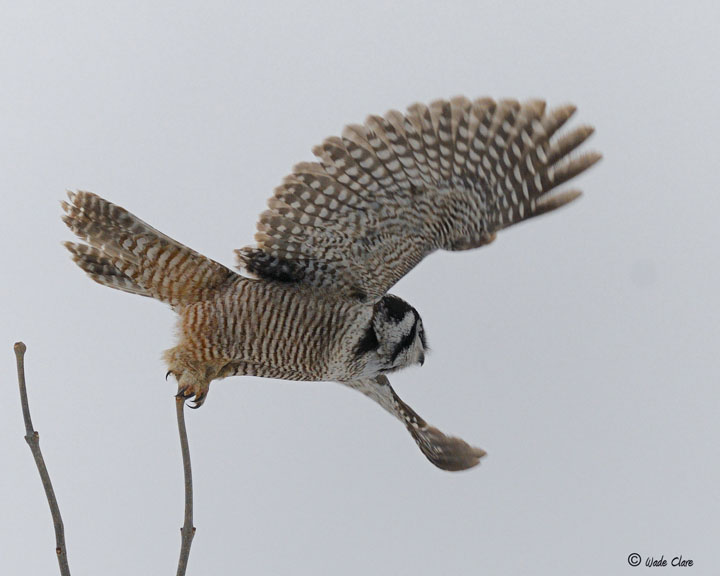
point(445, 452)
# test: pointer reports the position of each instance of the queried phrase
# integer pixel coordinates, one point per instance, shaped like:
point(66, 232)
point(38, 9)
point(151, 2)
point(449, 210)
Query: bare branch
point(33, 440)
point(188, 530)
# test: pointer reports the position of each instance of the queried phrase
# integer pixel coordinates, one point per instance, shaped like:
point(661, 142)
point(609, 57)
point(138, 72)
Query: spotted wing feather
point(445, 452)
point(389, 192)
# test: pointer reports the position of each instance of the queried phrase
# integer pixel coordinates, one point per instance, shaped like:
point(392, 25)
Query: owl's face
point(394, 339)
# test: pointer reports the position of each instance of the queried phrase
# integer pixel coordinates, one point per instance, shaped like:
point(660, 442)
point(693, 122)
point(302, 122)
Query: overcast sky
point(580, 350)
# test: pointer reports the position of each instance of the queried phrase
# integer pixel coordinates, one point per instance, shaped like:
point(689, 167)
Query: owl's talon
point(199, 400)
point(194, 397)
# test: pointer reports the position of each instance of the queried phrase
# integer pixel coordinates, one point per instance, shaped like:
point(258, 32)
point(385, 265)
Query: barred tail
point(123, 252)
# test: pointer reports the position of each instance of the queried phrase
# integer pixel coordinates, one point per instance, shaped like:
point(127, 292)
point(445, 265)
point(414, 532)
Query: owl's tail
point(123, 252)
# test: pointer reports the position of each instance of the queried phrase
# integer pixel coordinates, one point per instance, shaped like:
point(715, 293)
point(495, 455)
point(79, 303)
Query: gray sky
point(580, 350)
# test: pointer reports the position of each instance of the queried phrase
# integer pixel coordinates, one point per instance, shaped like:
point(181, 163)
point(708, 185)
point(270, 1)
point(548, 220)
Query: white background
point(580, 350)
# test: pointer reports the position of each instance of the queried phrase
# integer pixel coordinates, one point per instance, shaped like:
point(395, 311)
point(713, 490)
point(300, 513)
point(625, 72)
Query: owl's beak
point(421, 360)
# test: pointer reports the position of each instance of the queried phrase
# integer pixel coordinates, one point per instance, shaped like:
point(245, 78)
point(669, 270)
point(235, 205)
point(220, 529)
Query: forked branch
point(33, 440)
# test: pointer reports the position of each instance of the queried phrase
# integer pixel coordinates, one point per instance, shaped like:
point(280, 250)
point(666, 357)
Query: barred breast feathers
point(276, 328)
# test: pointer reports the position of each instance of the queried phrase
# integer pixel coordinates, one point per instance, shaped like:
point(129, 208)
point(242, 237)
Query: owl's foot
point(193, 377)
point(198, 397)
point(191, 387)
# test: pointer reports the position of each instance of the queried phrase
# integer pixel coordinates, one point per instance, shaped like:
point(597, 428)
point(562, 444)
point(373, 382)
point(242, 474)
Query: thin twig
point(188, 530)
point(33, 440)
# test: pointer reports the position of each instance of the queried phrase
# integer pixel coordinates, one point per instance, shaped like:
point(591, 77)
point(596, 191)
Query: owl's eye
point(368, 342)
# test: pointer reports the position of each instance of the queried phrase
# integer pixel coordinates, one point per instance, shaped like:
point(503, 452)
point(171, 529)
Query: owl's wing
point(445, 452)
point(388, 193)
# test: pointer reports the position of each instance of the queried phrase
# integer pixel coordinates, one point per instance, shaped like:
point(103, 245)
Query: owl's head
point(395, 337)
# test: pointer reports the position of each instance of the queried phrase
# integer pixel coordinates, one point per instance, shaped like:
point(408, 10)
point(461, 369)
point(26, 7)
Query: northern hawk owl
point(338, 234)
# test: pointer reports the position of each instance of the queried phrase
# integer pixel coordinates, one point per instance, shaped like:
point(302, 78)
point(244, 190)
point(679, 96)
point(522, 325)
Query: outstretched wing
point(388, 193)
point(446, 452)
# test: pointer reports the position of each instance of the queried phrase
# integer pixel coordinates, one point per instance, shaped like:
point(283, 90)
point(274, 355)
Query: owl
point(312, 300)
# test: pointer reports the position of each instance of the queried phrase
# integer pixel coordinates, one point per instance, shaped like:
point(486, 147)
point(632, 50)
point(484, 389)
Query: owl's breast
point(278, 330)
